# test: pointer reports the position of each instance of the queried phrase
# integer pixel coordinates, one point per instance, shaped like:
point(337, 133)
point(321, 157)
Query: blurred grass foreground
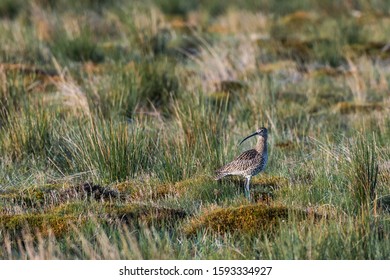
point(115, 114)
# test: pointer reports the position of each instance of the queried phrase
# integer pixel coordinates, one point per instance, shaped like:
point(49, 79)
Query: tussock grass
point(80, 48)
point(365, 175)
point(27, 133)
point(111, 151)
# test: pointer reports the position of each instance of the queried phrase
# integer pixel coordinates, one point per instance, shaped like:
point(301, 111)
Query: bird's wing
point(243, 162)
point(247, 155)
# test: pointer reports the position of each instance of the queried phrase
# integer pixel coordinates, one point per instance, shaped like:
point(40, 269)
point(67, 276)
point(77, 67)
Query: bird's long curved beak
point(253, 134)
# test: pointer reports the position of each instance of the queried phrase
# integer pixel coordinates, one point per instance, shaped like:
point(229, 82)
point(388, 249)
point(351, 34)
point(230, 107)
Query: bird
point(250, 162)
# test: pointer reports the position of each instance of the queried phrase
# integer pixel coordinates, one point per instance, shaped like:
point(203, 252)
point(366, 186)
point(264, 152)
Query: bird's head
point(262, 132)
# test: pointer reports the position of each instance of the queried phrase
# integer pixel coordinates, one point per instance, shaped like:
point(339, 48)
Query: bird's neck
point(261, 145)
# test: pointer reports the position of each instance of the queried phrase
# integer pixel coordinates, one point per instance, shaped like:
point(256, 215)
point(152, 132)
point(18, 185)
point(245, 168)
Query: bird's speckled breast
point(261, 166)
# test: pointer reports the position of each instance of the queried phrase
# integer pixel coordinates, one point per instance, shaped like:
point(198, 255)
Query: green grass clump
point(159, 85)
point(110, 150)
point(80, 48)
point(27, 133)
point(364, 175)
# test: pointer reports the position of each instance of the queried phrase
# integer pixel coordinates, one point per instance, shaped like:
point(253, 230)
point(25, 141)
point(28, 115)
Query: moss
point(33, 198)
point(136, 190)
point(126, 187)
point(163, 190)
point(160, 191)
point(141, 191)
point(262, 196)
point(248, 219)
point(58, 220)
point(262, 181)
point(182, 186)
point(192, 182)
point(149, 214)
point(205, 188)
point(27, 197)
point(44, 223)
point(262, 187)
point(79, 208)
point(129, 213)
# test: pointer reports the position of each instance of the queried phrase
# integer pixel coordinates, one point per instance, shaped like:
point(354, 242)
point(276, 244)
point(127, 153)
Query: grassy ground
point(114, 115)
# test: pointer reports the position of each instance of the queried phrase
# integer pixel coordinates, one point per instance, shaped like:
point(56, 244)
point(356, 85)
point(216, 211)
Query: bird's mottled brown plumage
point(250, 162)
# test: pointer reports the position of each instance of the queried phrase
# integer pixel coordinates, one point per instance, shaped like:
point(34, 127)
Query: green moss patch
point(79, 208)
point(29, 197)
point(135, 213)
point(248, 219)
point(128, 213)
point(140, 191)
point(33, 198)
point(183, 186)
point(59, 219)
point(269, 181)
point(261, 181)
point(44, 223)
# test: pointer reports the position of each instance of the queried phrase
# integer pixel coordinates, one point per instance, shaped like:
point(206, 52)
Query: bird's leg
point(247, 191)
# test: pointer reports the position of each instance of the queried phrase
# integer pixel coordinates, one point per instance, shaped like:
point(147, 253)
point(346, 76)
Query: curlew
point(249, 163)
